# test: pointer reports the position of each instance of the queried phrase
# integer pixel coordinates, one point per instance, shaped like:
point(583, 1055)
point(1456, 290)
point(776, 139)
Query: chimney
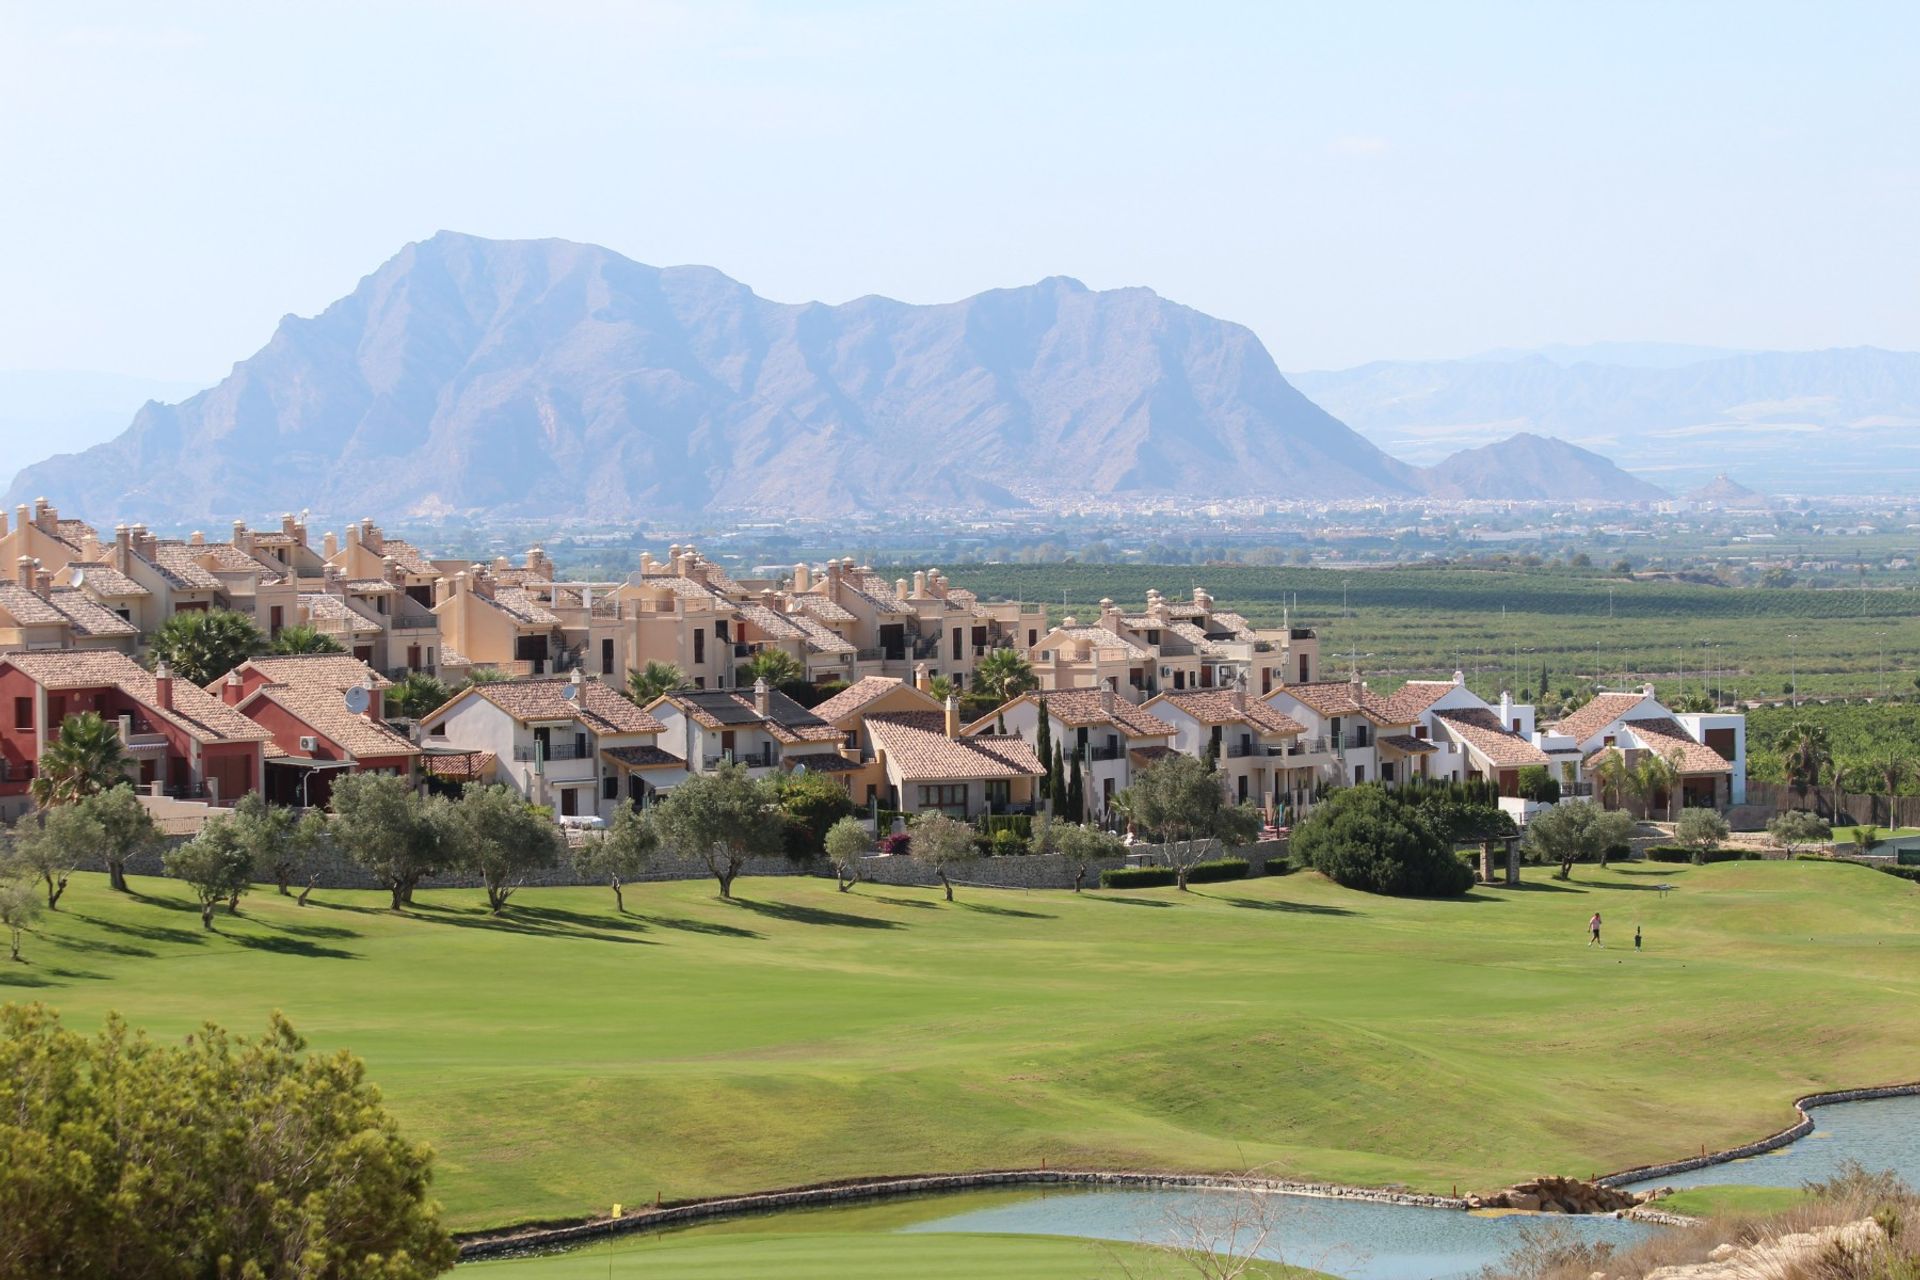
point(1459, 678)
point(762, 698)
point(300, 532)
point(3, 524)
point(833, 579)
point(459, 581)
point(241, 538)
point(802, 577)
point(287, 523)
point(122, 546)
point(1647, 689)
point(163, 687)
point(391, 570)
point(953, 716)
point(501, 564)
point(919, 584)
point(646, 562)
point(937, 583)
point(921, 680)
point(333, 575)
point(22, 515)
point(42, 581)
point(43, 515)
point(1110, 614)
point(899, 588)
point(1106, 696)
point(377, 702)
point(23, 572)
point(231, 688)
point(370, 533)
point(1506, 708)
point(196, 539)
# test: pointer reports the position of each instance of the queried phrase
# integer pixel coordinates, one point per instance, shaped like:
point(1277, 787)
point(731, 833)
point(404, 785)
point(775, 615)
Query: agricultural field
point(1505, 627)
point(566, 1057)
point(1862, 736)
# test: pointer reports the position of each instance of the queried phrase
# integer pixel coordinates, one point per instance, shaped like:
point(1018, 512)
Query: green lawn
point(1848, 835)
point(1713, 1202)
point(567, 1057)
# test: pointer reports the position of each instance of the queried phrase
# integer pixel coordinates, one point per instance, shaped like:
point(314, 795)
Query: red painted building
point(307, 703)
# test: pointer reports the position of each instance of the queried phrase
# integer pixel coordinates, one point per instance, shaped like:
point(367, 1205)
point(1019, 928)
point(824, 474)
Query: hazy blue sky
point(1353, 181)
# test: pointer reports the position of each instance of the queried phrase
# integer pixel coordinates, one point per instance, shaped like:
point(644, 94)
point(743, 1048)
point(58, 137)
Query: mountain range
point(541, 378)
point(1841, 420)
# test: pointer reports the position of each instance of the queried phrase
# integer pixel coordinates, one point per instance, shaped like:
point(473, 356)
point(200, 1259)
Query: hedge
point(1138, 878)
point(1280, 866)
point(1218, 869)
point(1683, 853)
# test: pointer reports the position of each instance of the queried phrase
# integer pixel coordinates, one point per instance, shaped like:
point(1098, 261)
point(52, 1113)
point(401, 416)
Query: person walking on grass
point(1593, 931)
point(1636, 937)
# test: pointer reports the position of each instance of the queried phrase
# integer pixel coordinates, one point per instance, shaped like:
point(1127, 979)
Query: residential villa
point(931, 766)
point(759, 728)
point(858, 764)
point(1112, 738)
point(1264, 757)
point(327, 717)
point(1709, 750)
point(1171, 647)
point(1371, 738)
point(183, 742)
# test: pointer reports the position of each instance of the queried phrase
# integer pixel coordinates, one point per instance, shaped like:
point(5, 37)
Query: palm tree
point(86, 759)
point(484, 675)
point(301, 638)
point(415, 694)
point(941, 687)
point(775, 666)
point(1805, 752)
point(1611, 777)
point(1893, 771)
point(1655, 776)
point(1005, 673)
point(1844, 774)
point(203, 645)
point(654, 679)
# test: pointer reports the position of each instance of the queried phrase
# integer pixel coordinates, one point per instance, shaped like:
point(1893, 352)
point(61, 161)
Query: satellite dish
point(570, 691)
point(358, 700)
point(800, 771)
point(79, 578)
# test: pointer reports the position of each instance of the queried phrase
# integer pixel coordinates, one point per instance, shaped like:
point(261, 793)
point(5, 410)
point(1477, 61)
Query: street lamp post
point(1793, 667)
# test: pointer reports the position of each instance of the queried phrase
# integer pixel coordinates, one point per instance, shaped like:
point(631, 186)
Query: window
point(579, 746)
point(699, 646)
point(947, 798)
point(23, 713)
point(1243, 788)
point(610, 787)
point(606, 656)
point(999, 794)
point(958, 639)
point(1386, 771)
point(720, 630)
point(1033, 637)
point(1359, 774)
point(275, 615)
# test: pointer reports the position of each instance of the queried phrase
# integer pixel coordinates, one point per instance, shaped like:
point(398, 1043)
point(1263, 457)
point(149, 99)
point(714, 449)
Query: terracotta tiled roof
point(720, 709)
point(26, 607)
point(1407, 744)
point(1086, 707)
point(770, 624)
point(409, 557)
point(1235, 623)
point(336, 671)
point(75, 532)
point(1481, 729)
point(459, 765)
point(1216, 706)
point(1338, 698)
point(179, 565)
point(686, 588)
point(644, 758)
point(328, 609)
point(822, 608)
point(1666, 738)
point(819, 638)
point(862, 692)
point(544, 698)
point(322, 710)
point(1599, 712)
point(368, 586)
point(918, 749)
point(519, 604)
point(99, 578)
point(1411, 699)
point(224, 557)
point(823, 762)
point(195, 711)
point(1152, 752)
point(88, 616)
point(1103, 638)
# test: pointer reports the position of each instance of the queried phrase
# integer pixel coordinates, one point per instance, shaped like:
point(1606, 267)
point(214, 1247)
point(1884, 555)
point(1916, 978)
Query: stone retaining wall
point(557, 1235)
point(1772, 1142)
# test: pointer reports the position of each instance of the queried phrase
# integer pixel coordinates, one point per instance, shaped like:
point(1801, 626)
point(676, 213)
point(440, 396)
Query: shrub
point(1364, 839)
point(1280, 866)
point(1703, 856)
point(896, 844)
point(1537, 783)
point(1217, 870)
point(1138, 878)
point(1669, 853)
point(1905, 873)
point(1008, 844)
point(1700, 829)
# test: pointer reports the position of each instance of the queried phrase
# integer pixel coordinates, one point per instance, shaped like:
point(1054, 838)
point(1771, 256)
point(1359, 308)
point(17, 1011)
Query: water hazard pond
point(1353, 1239)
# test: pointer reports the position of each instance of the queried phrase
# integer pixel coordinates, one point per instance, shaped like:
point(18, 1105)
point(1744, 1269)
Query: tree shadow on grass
point(1543, 886)
point(709, 927)
point(521, 921)
point(903, 902)
point(814, 915)
point(316, 930)
point(279, 944)
point(560, 917)
point(1284, 908)
point(24, 975)
point(988, 909)
point(100, 946)
point(1128, 902)
point(147, 932)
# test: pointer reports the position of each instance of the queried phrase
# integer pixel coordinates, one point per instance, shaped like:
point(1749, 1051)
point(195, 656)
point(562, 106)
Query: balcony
point(1106, 753)
point(1355, 741)
point(558, 751)
point(766, 758)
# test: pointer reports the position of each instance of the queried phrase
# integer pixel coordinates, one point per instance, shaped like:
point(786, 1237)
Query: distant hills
point(543, 378)
point(1794, 422)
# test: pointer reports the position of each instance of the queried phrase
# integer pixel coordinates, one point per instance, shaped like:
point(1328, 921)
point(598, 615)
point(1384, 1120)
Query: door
point(569, 801)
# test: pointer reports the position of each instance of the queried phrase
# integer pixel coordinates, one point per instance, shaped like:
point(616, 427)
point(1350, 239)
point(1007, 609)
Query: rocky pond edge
point(541, 1236)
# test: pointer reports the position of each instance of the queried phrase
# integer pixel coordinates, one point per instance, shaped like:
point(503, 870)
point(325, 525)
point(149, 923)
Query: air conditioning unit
point(309, 743)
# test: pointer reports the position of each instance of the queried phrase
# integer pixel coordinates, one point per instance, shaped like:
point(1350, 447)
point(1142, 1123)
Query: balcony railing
point(1105, 753)
point(764, 759)
point(1350, 741)
point(558, 751)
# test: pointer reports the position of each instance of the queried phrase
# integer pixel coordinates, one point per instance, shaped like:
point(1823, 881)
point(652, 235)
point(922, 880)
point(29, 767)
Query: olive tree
point(19, 908)
point(1579, 831)
point(48, 845)
point(216, 1155)
point(1798, 827)
point(216, 866)
point(847, 841)
point(1081, 846)
point(386, 828)
point(1701, 830)
point(1182, 804)
point(493, 832)
point(127, 829)
point(724, 818)
point(943, 843)
point(619, 853)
